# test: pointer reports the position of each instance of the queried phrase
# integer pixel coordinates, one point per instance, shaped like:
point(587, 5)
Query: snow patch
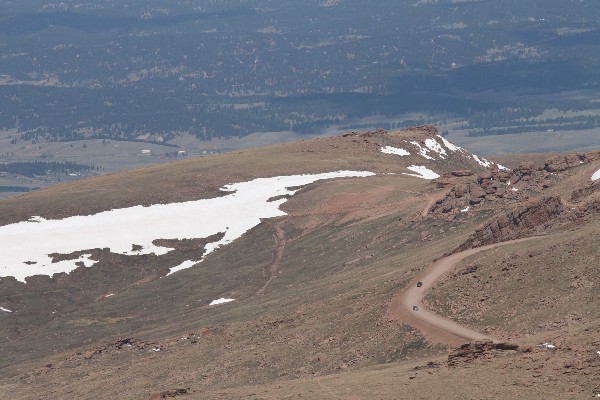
point(464, 210)
point(502, 167)
point(221, 301)
point(182, 266)
point(394, 150)
point(422, 172)
point(547, 346)
point(422, 151)
point(109, 295)
point(482, 161)
point(26, 245)
point(596, 175)
point(433, 145)
point(5, 310)
point(450, 146)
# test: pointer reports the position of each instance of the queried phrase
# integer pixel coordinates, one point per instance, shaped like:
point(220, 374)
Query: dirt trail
point(280, 241)
point(433, 326)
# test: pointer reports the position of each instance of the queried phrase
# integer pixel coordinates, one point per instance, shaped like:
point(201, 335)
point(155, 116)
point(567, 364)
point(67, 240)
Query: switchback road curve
point(433, 326)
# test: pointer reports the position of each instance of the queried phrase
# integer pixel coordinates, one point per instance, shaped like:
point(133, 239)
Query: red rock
point(476, 191)
point(462, 172)
point(503, 176)
point(485, 175)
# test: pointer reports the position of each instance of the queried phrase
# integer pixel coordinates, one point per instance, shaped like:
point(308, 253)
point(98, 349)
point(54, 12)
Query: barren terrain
point(324, 294)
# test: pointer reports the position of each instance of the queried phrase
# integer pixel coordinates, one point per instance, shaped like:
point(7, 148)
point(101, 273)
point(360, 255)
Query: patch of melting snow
point(482, 161)
point(547, 346)
point(433, 145)
point(422, 151)
point(182, 266)
point(450, 146)
point(5, 310)
point(233, 214)
point(421, 172)
point(395, 150)
point(596, 175)
point(514, 189)
point(222, 300)
point(465, 210)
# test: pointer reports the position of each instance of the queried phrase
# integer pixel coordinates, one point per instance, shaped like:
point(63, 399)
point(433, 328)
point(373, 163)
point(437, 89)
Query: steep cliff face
point(527, 220)
point(563, 205)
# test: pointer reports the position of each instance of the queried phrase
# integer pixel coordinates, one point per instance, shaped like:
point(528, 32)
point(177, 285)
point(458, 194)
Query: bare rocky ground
point(313, 288)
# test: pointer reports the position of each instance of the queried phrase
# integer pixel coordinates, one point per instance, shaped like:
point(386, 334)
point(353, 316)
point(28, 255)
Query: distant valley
point(169, 72)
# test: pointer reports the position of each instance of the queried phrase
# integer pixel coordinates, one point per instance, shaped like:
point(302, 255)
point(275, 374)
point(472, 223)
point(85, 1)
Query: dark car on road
point(419, 284)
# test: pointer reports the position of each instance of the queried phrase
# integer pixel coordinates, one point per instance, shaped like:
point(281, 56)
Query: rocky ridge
point(468, 352)
point(493, 187)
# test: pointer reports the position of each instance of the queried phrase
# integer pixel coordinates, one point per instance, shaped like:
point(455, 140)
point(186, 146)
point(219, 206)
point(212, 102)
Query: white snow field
point(432, 146)
point(182, 266)
point(26, 246)
point(482, 161)
point(5, 310)
point(220, 301)
point(424, 152)
point(422, 172)
point(596, 175)
point(394, 150)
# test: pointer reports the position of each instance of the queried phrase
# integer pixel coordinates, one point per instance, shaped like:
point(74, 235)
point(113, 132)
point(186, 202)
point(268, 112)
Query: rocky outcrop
point(586, 191)
point(468, 352)
point(468, 190)
point(521, 222)
point(563, 162)
point(462, 172)
point(425, 129)
point(366, 134)
point(121, 344)
point(168, 394)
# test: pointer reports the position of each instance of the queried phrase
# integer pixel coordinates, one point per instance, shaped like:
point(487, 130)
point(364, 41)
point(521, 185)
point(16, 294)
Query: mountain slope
point(311, 287)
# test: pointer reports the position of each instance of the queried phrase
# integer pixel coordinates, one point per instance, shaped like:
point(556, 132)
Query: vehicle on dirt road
point(419, 284)
point(415, 307)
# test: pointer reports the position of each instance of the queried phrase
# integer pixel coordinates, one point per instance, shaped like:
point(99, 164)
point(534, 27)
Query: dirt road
point(433, 326)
